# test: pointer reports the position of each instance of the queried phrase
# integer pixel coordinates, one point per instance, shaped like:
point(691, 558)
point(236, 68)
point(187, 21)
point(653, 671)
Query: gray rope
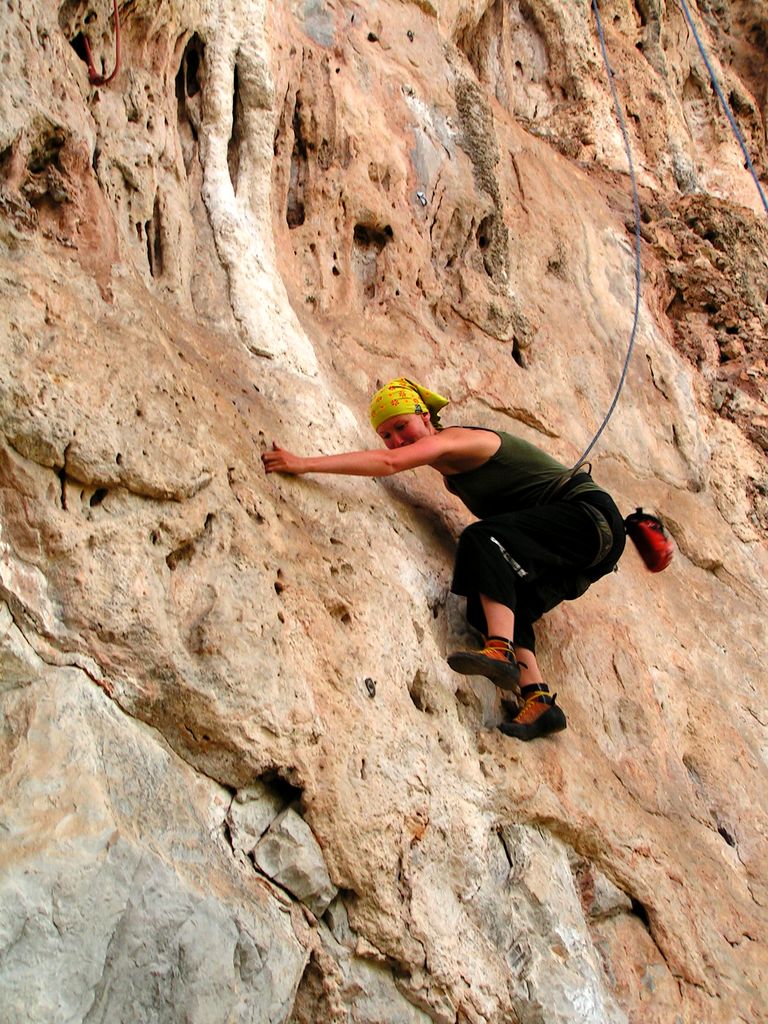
point(636, 207)
point(723, 102)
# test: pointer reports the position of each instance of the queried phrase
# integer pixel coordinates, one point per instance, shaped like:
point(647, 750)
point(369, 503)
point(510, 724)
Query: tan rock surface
point(269, 210)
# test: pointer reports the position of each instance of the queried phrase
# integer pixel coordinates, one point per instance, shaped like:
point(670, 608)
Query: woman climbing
point(543, 534)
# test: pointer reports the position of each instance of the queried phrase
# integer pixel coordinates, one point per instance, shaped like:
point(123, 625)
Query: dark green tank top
point(519, 475)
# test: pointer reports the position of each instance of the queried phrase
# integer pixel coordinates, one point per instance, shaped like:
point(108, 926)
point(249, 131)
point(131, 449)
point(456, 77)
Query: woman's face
point(405, 429)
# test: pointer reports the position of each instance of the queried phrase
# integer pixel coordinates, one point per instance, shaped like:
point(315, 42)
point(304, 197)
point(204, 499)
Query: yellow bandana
point(402, 397)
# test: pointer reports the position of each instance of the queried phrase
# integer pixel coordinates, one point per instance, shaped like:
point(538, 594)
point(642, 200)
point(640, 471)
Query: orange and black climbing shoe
point(539, 716)
point(496, 662)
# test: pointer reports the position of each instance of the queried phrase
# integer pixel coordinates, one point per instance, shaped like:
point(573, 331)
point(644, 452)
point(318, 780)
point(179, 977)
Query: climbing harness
point(723, 101)
point(650, 538)
point(93, 75)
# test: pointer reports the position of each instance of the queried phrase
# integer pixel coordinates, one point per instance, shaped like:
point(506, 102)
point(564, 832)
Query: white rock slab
point(253, 809)
point(291, 856)
point(120, 899)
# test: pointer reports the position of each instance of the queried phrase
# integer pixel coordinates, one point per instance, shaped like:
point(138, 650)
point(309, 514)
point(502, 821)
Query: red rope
point(93, 75)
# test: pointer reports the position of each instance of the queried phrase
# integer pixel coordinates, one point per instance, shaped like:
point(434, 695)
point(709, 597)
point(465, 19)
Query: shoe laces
point(533, 708)
point(499, 650)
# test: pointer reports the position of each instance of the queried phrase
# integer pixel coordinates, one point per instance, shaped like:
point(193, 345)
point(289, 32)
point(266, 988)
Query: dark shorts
point(533, 559)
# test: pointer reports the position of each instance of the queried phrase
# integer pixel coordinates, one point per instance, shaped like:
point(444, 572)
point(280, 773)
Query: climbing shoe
point(496, 662)
point(539, 716)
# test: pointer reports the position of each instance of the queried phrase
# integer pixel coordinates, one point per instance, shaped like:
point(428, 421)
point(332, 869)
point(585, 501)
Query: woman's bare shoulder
point(466, 448)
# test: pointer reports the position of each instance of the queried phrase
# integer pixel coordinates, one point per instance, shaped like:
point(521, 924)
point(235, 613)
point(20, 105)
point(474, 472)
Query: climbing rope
point(93, 75)
point(636, 208)
point(723, 101)
point(635, 200)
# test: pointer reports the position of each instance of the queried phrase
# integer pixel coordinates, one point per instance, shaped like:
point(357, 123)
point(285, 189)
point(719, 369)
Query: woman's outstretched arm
point(374, 462)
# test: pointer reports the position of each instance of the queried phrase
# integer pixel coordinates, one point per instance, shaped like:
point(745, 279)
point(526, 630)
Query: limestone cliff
point(240, 782)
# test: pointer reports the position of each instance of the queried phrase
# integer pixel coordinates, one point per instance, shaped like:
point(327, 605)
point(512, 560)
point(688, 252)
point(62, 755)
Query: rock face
point(240, 781)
